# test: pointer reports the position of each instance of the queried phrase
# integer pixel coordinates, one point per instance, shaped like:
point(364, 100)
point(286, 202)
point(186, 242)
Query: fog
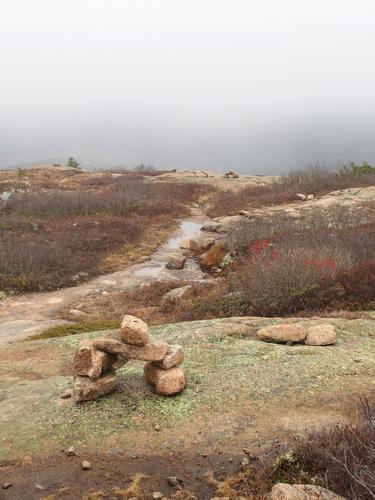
point(257, 86)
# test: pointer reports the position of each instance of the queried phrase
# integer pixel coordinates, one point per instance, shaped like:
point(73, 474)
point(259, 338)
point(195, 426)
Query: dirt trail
point(27, 315)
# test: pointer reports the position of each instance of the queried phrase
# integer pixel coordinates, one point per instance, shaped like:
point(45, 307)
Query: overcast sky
point(255, 85)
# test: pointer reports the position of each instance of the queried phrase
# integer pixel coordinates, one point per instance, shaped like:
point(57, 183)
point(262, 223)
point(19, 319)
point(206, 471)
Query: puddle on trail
point(155, 268)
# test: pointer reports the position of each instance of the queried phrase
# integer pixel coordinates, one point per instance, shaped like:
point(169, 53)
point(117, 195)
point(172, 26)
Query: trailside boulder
point(282, 491)
point(134, 331)
point(176, 261)
point(166, 382)
point(174, 357)
point(91, 362)
point(323, 334)
point(86, 389)
point(281, 334)
point(176, 295)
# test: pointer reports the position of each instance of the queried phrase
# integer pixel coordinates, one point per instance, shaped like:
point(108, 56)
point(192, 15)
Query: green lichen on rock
point(229, 372)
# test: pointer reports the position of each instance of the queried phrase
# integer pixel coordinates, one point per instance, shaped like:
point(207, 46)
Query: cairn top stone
point(134, 331)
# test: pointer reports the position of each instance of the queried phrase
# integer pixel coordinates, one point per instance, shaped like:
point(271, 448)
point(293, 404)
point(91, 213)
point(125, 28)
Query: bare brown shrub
point(315, 180)
point(340, 458)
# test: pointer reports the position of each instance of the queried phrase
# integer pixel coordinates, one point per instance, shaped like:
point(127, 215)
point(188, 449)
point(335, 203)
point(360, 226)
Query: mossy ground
point(240, 390)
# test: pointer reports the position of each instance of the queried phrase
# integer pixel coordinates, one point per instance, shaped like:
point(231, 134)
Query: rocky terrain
point(252, 382)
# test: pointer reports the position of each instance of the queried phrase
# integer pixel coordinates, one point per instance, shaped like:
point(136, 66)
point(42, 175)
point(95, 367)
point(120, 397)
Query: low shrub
point(340, 458)
point(314, 180)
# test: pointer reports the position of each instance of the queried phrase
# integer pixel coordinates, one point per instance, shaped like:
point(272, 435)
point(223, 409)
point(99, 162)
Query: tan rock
point(283, 491)
point(282, 333)
point(323, 334)
point(174, 357)
point(166, 382)
point(86, 389)
point(90, 362)
point(153, 351)
point(176, 295)
point(176, 261)
point(134, 331)
point(201, 244)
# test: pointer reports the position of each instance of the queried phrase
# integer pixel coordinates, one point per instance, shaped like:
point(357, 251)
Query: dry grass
point(48, 236)
point(339, 458)
point(315, 180)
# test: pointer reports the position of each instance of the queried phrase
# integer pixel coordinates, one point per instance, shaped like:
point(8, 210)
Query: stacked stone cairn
point(96, 360)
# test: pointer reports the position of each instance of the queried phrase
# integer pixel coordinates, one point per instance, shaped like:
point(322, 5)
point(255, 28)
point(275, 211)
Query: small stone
point(301, 196)
point(174, 357)
point(176, 261)
point(85, 465)
point(166, 382)
point(71, 451)
point(175, 295)
point(281, 334)
point(39, 487)
point(67, 394)
point(157, 427)
point(134, 331)
point(245, 461)
point(7, 485)
point(173, 481)
point(77, 315)
point(157, 495)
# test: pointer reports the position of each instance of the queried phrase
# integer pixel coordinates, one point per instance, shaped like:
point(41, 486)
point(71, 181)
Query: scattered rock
point(301, 196)
point(231, 174)
point(157, 427)
point(157, 495)
point(176, 261)
point(39, 487)
point(85, 465)
point(166, 382)
point(174, 357)
point(91, 362)
point(77, 315)
point(201, 244)
point(176, 295)
point(282, 334)
point(86, 389)
point(323, 334)
point(134, 331)
point(71, 451)
point(173, 481)
point(7, 485)
point(283, 491)
point(245, 461)
point(310, 197)
point(67, 394)
point(244, 213)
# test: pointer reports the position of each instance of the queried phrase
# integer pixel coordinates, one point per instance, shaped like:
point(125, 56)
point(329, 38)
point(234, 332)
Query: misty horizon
point(258, 88)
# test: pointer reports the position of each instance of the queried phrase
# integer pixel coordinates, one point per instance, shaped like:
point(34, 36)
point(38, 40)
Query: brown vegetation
point(282, 267)
point(340, 458)
point(48, 237)
point(316, 180)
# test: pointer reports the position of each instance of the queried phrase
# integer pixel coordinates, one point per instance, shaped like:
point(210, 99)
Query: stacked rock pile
point(96, 360)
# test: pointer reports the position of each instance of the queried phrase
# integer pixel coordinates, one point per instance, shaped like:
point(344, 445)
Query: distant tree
point(73, 163)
